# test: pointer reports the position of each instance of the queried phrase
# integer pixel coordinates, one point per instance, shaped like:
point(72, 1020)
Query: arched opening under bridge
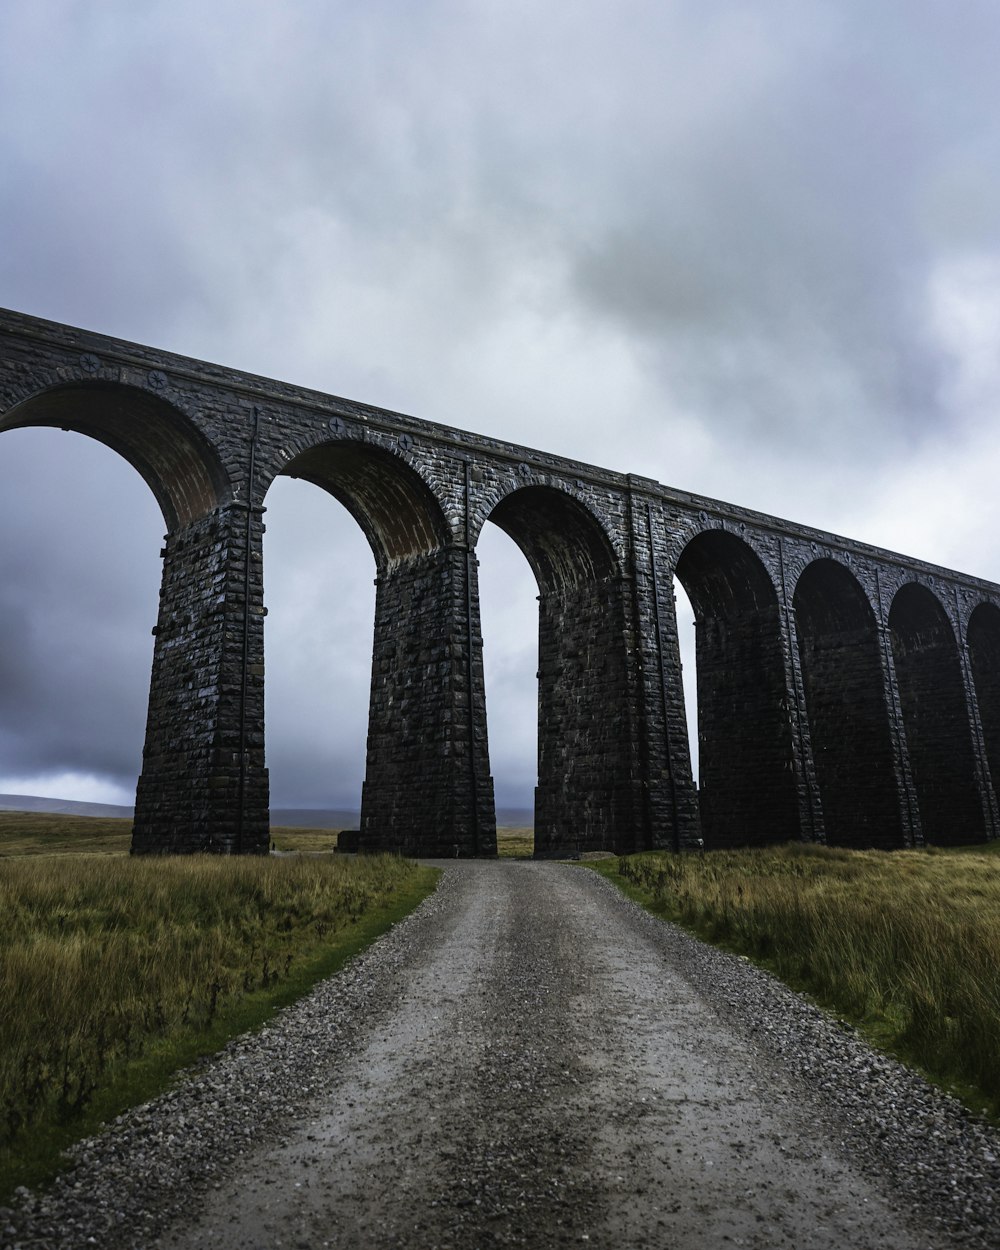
point(747, 785)
point(409, 795)
point(585, 794)
point(984, 660)
point(688, 651)
point(846, 704)
point(82, 576)
point(319, 594)
point(173, 458)
point(508, 607)
point(935, 718)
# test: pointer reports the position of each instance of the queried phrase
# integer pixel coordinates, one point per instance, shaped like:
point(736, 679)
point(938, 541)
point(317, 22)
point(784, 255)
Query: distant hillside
point(516, 817)
point(305, 818)
point(62, 807)
point(293, 817)
point(315, 818)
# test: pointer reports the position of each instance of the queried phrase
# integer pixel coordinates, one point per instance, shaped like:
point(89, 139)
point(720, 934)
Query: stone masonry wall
point(584, 800)
point(982, 665)
point(204, 784)
point(936, 720)
point(851, 738)
point(427, 785)
point(748, 793)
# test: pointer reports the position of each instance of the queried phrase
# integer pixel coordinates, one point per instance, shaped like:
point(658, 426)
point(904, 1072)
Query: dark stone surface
point(845, 692)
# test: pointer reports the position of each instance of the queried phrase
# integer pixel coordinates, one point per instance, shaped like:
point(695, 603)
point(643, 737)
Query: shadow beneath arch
point(846, 703)
point(585, 799)
point(157, 439)
point(747, 786)
point(935, 718)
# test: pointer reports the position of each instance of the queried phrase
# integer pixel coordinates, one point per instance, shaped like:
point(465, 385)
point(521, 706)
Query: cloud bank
point(751, 251)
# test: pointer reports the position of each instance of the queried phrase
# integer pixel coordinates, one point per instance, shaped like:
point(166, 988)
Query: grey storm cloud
point(776, 262)
point(751, 250)
point(75, 640)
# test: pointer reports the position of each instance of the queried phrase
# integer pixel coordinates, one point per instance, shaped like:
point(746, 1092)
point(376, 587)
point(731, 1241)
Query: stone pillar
point(671, 799)
point(981, 653)
point(934, 697)
point(428, 789)
point(748, 793)
point(984, 779)
point(909, 811)
point(588, 796)
point(810, 807)
point(203, 785)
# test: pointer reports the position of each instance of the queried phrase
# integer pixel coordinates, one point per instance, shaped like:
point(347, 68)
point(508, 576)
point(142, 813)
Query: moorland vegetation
point(904, 944)
point(116, 971)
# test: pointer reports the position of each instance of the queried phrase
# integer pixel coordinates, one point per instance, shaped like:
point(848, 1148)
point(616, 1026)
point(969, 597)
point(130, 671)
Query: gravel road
point(531, 1060)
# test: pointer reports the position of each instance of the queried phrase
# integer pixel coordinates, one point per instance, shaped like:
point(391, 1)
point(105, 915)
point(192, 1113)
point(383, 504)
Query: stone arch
point(319, 594)
point(396, 509)
point(177, 462)
point(427, 788)
point(585, 795)
point(935, 717)
point(984, 660)
point(849, 717)
point(563, 541)
point(747, 790)
point(187, 478)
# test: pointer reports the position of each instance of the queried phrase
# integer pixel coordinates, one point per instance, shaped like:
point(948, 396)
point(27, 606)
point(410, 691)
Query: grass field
point(905, 944)
point(116, 971)
point(38, 833)
point(515, 843)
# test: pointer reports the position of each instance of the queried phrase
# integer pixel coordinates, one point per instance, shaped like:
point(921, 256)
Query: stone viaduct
point(845, 693)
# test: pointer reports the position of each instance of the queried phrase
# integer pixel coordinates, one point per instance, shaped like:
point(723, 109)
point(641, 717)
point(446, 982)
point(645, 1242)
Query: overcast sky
point(749, 249)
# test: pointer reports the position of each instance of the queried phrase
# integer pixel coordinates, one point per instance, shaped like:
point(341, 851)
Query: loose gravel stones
point(529, 1059)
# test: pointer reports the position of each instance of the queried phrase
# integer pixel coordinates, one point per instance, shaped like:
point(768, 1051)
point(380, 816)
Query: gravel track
point(530, 1059)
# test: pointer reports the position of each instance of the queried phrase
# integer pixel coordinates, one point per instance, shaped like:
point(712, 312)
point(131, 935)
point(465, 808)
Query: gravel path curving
point(531, 1060)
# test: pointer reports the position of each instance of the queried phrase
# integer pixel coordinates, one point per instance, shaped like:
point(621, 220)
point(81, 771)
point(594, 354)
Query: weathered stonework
point(846, 693)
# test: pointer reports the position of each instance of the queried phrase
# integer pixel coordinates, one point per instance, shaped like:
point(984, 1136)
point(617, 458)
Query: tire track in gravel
point(460, 1122)
point(547, 1078)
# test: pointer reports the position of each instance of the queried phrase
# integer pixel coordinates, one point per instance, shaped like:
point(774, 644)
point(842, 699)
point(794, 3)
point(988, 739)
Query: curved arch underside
point(935, 718)
point(747, 790)
point(180, 468)
point(724, 577)
point(846, 705)
point(561, 540)
point(393, 505)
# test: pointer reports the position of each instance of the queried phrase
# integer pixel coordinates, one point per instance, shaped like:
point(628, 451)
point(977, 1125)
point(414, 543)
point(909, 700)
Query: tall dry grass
point(102, 957)
point(908, 942)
